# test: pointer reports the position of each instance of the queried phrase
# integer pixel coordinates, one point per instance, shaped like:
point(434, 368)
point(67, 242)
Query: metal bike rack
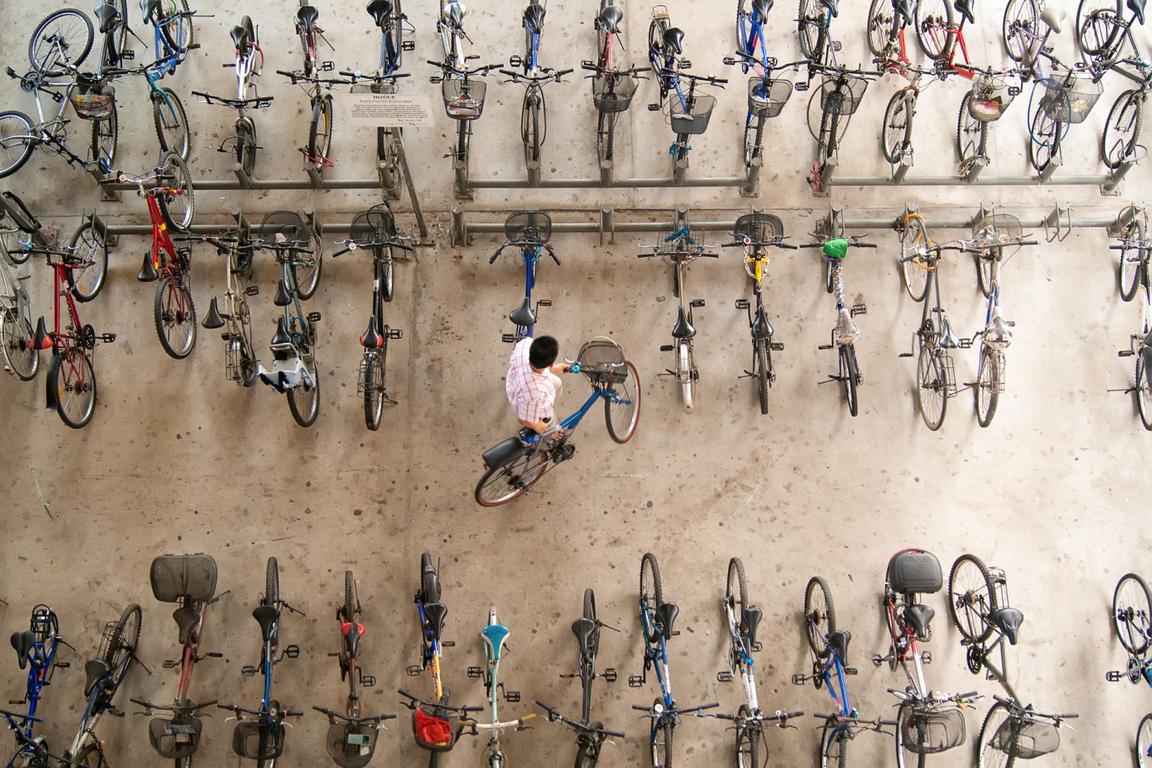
point(748, 183)
point(1108, 182)
point(835, 222)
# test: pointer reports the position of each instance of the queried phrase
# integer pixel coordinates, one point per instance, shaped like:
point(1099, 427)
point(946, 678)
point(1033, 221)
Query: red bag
point(434, 733)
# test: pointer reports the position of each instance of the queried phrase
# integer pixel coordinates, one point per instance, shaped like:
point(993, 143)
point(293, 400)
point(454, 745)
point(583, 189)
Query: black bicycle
point(830, 109)
point(463, 92)
point(317, 152)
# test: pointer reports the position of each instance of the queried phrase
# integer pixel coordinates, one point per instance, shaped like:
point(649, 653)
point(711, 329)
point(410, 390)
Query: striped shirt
point(531, 394)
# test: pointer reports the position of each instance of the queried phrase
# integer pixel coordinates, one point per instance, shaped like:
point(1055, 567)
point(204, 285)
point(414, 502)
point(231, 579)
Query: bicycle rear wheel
point(932, 386)
point(935, 27)
point(64, 35)
point(1132, 613)
point(849, 377)
point(177, 201)
point(650, 587)
point(73, 383)
point(15, 144)
point(879, 25)
point(374, 388)
point(622, 407)
point(509, 481)
point(914, 276)
point(122, 645)
point(811, 22)
point(16, 337)
point(1098, 22)
point(1021, 20)
point(1143, 392)
point(1144, 742)
point(171, 123)
point(1122, 129)
point(988, 384)
point(175, 27)
point(105, 137)
point(897, 118)
point(1132, 258)
point(972, 598)
point(271, 582)
point(819, 615)
point(992, 752)
point(175, 316)
point(304, 400)
point(686, 375)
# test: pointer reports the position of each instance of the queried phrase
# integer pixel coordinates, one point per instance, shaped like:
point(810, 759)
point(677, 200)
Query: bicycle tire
point(246, 145)
point(686, 374)
point(651, 587)
point(249, 368)
point(1133, 260)
point(833, 745)
point(173, 305)
point(622, 433)
point(1144, 742)
point(171, 121)
point(1129, 117)
point(661, 744)
point(808, 26)
point(178, 217)
point(119, 38)
point(931, 378)
point(16, 340)
point(901, 715)
point(351, 604)
point(105, 137)
point(373, 390)
point(87, 284)
point(762, 382)
point(737, 599)
point(971, 134)
point(1043, 140)
point(508, 477)
point(90, 755)
point(271, 582)
point(851, 376)
point(988, 385)
point(62, 380)
point(65, 18)
point(747, 742)
point(1132, 613)
point(1013, 44)
point(429, 581)
point(1143, 393)
point(819, 616)
point(304, 402)
point(531, 129)
point(751, 128)
point(1098, 17)
point(388, 279)
point(879, 25)
point(897, 125)
point(180, 43)
point(989, 753)
point(928, 29)
point(909, 270)
point(983, 261)
point(306, 288)
point(968, 577)
point(320, 131)
point(23, 128)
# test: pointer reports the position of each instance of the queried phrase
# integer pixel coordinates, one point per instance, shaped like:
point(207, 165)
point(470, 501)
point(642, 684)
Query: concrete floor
point(177, 459)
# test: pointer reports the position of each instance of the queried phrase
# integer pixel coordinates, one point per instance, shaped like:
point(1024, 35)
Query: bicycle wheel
point(932, 386)
point(1132, 258)
point(320, 132)
point(879, 25)
point(1143, 392)
point(175, 317)
point(63, 36)
point(105, 137)
point(811, 22)
point(1043, 139)
point(834, 745)
point(1132, 613)
point(897, 119)
point(1098, 22)
point(850, 374)
point(983, 262)
point(736, 589)
point(246, 145)
point(1122, 129)
point(509, 481)
point(73, 383)
point(988, 384)
point(651, 590)
point(429, 584)
point(1021, 21)
point(935, 27)
point(819, 615)
point(686, 375)
point(307, 275)
point(271, 583)
point(119, 37)
point(991, 750)
point(373, 390)
point(15, 141)
point(388, 280)
point(762, 374)
point(902, 752)
point(530, 129)
point(175, 26)
point(1144, 742)
point(171, 123)
point(122, 645)
point(972, 599)
point(747, 742)
point(351, 604)
point(622, 407)
point(662, 744)
point(914, 276)
point(16, 336)
point(89, 755)
point(971, 134)
point(177, 201)
point(304, 400)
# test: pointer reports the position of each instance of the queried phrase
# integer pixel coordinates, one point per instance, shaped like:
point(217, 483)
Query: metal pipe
point(599, 183)
point(959, 181)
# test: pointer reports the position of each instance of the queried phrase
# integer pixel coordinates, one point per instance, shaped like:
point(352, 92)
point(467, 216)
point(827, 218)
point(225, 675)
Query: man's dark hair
point(543, 351)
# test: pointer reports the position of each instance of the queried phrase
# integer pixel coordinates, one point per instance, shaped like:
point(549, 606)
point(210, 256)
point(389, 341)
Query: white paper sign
point(404, 110)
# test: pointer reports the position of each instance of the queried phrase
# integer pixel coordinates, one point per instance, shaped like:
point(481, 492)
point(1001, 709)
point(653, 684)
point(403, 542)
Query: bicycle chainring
point(30, 82)
point(975, 659)
point(563, 452)
point(817, 675)
point(88, 337)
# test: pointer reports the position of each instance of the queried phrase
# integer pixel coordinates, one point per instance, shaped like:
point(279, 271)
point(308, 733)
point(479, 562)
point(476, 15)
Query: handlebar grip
point(290, 713)
point(471, 709)
point(323, 710)
point(897, 692)
point(552, 253)
point(789, 246)
point(968, 695)
point(864, 245)
point(1028, 242)
point(509, 73)
point(563, 72)
point(709, 255)
point(495, 256)
point(340, 253)
point(528, 717)
point(1069, 716)
point(791, 714)
point(590, 67)
point(141, 703)
point(639, 708)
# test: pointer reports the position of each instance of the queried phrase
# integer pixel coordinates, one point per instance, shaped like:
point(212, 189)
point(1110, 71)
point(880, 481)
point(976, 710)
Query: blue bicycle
point(750, 31)
point(829, 647)
point(35, 651)
point(516, 464)
point(171, 22)
point(1132, 618)
point(529, 231)
point(657, 619)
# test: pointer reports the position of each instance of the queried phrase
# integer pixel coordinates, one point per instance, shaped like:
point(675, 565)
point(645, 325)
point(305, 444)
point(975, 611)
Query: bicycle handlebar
point(355, 720)
point(783, 717)
point(774, 243)
point(377, 78)
point(522, 244)
point(254, 713)
point(555, 717)
point(548, 75)
point(827, 69)
point(465, 73)
point(172, 708)
point(352, 245)
point(633, 72)
point(413, 702)
point(1012, 703)
point(499, 726)
point(298, 77)
point(677, 711)
point(20, 716)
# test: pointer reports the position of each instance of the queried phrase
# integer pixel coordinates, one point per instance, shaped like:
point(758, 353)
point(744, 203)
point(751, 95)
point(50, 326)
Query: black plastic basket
point(528, 227)
point(463, 103)
point(174, 738)
point(1026, 739)
point(927, 731)
point(696, 120)
point(768, 97)
point(350, 745)
point(613, 93)
point(758, 228)
point(256, 742)
point(602, 360)
point(842, 99)
point(915, 572)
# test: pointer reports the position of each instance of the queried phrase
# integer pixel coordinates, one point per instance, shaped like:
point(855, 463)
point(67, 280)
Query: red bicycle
point(939, 34)
point(171, 205)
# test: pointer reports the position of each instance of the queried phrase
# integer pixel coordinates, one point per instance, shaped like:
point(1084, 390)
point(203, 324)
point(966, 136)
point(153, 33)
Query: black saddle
point(352, 637)
point(436, 613)
point(750, 621)
point(666, 614)
point(186, 619)
point(23, 642)
point(919, 617)
point(903, 10)
point(761, 7)
point(964, 8)
point(266, 616)
point(587, 635)
point(240, 38)
point(534, 17)
point(106, 15)
point(683, 328)
point(674, 40)
point(833, 6)
point(610, 18)
point(838, 644)
point(307, 16)
point(1137, 8)
point(95, 670)
point(1008, 620)
point(523, 314)
point(371, 338)
point(761, 328)
point(282, 338)
point(381, 11)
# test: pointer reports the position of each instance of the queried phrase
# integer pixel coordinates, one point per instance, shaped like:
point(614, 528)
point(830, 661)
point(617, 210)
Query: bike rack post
point(315, 175)
point(607, 225)
point(1126, 216)
point(900, 170)
point(241, 176)
point(832, 225)
point(751, 185)
point(1058, 224)
point(102, 228)
point(459, 236)
point(107, 194)
point(826, 172)
point(1046, 175)
point(314, 222)
point(1115, 177)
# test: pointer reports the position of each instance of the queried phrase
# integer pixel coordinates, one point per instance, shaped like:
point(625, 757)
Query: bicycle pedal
point(926, 657)
point(696, 303)
point(743, 304)
point(313, 317)
point(252, 290)
point(107, 338)
point(799, 679)
point(905, 354)
point(368, 681)
point(62, 665)
point(757, 647)
point(800, 86)
point(508, 338)
point(327, 66)
point(512, 697)
point(1112, 677)
point(115, 712)
point(170, 664)
point(653, 107)
point(291, 652)
point(837, 45)
point(609, 675)
point(824, 346)
point(15, 703)
point(851, 670)
point(247, 671)
point(474, 672)
point(858, 309)
point(724, 677)
point(408, 45)
point(395, 333)
point(635, 681)
point(413, 670)
point(448, 643)
point(877, 659)
point(777, 346)
point(666, 347)
point(544, 302)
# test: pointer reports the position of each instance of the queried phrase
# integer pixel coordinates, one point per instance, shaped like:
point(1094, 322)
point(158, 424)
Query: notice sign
point(391, 110)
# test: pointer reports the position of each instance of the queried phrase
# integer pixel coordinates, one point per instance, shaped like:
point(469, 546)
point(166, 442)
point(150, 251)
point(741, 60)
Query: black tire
point(990, 753)
point(851, 378)
point(747, 743)
point(173, 310)
point(429, 581)
point(373, 391)
point(505, 483)
point(1043, 140)
point(971, 134)
point(933, 25)
point(14, 152)
point(1098, 22)
point(650, 586)
point(246, 145)
point(304, 402)
point(819, 615)
point(530, 125)
point(971, 593)
point(1018, 14)
point(897, 118)
point(388, 280)
point(320, 131)
point(105, 137)
point(171, 121)
point(1122, 128)
point(834, 745)
point(16, 342)
point(931, 386)
point(621, 418)
point(71, 377)
point(589, 605)
point(1144, 742)
point(119, 37)
point(307, 278)
point(988, 385)
point(351, 604)
point(662, 746)
point(271, 582)
point(122, 645)
point(179, 34)
point(1143, 393)
point(178, 203)
point(90, 755)
point(983, 261)
point(811, 24)
point(91, 244)
point(880, 18)
point(914, 277)
point(736, 589)
point(901, 715)
point(1132, 613)
point(1132, 259)
point(762, 382)
point(74, 27)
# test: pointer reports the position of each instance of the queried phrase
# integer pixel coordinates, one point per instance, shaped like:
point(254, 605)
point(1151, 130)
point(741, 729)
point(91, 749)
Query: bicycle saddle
point(23, 643)
point(381, 11)
point(435, 612)
point(371, 338)
point(186, 619)
point(107, 16)
point(919, 617)
point(761, 328)
point(307, 16)
point(833, 6)
point(240, 37)
point(610, 18)
point(666, 614)
point(95, 670)
point(761, 7)
point(494, 636)
point(1052, 18)
point(903, 9)
point(352, 633)
point(282, 340)
point(523, 314)
point(587, 635)
point(1008, 621)
point(674, 40)
point(453, 12)
point(683, 328)
point(948, 337)
point(266, 616)
point(964, 8)
point(534, 17)
point(750, 620)
point(1137, 8)
point(838, 644)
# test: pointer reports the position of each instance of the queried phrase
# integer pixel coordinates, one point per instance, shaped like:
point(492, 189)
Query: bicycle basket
point(256, 742)
point(373, 225)
point(351, 744)
point(694, 121)
point(768, 97)
point(463, 100)
point(613, 94)
point(996, 229)
point(183, 576)
point(175, 739)
point(1070, 99)
point(837, 99)
point(92, 98)
point(758, 228)
point(432, 733)
point(286, 227)
point(528, 227)
point(1026, 739)
point(928, 731)
point(990, 97)
point(602, 360)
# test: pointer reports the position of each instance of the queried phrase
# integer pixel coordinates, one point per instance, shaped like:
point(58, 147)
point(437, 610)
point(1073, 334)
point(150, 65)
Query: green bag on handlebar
point(836, 248)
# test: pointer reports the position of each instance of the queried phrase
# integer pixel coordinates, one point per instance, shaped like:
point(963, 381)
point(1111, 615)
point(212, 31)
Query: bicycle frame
point(955, 35)
point(52, 131)
point(164, 52)
point(392, 44)
point(656, 656)
point(432, 648)
point(450, 26)
point(14, 297)
point(41, 661)
point(533, 22)
point(98, 702)
point(750, 34)
point(494, 636)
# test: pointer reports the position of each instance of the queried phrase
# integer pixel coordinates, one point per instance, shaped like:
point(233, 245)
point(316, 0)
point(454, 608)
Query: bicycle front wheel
point(16, 337)
point(1021, 22)
point(1144, 742)
point(1122, 129)
point(662, 745)
point(177, 200)
point(762, 381)
point(320, 132)
point(897, 122)
point(509, 481)
point(1143, 393)
point(304, 400)
point(971, 134)
point(834, 745)
point(983, 262)
point(931, 386)
point(1132, 613)
point(90, 755)
point(307, 275)
point(171, 123)
point(63, 36)
point(122, 645)
point(73, 384)
point(935, 27)
point(246, 145)
point(622, 407)
point(879, 25)
point(972, 599)
point(747, 743)
point(15, 141)
point(1098, 22)
point(1132, 258)
point(988, 384)
point(994, 752)
point(1043, 139)
point(686, 375)
point(914, 276)
point(373, 390)
point(105, 137)
point(175, 317)
point(819, 614)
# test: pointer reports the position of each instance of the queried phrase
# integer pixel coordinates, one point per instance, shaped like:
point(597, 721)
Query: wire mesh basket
point(174, 738)
point(996, 229)
point(1070, 98)
point(528, 227)
point(258, 742)
point(928, 731)
point(285, 228)
point(463, 99)
point(602, 360)
point(758, 228)
point(1026, 739)
point(613, 93)
point(842, 96)
point(990, 97)
point(694, 120)
point(374, 225)
point(768, 97)
point(350, 745)
point(678, 242)
point(92, 98)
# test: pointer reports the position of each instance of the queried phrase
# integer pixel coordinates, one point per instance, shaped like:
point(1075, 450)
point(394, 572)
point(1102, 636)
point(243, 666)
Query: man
point(533, 381)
